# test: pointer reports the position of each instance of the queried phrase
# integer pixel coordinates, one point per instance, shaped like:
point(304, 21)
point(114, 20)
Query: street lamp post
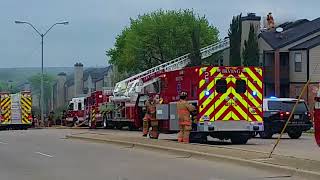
point(42, 35)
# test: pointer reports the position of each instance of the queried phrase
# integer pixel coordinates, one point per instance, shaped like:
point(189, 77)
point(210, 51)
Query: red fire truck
point(126, 106)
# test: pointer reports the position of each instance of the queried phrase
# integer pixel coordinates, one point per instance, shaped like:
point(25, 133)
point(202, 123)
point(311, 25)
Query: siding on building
point(70, 93)
point(314, 64)
point(99, 85)
point(226, 57)
point(298, 76)
point(263, 46)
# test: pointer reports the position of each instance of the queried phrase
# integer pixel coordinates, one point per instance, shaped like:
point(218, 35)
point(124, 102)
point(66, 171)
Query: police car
point(276, 113)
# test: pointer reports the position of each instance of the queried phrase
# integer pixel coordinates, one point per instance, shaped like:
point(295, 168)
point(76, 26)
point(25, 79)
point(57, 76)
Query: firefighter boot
point(154, 131)
point(186, 133)
point(180, 134)
point(145, 127)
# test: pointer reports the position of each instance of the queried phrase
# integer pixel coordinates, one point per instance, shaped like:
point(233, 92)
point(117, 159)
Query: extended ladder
point(175, 64)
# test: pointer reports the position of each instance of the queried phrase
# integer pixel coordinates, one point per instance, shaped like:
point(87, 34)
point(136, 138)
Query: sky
point(94, 24)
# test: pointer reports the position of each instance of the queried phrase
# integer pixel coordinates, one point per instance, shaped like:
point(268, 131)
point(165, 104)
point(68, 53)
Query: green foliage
point(158, 37)
point(250, 53)
point(196, 46)
point(9, 86)
point(3, 86)
point(48, 81)
point(235, 41)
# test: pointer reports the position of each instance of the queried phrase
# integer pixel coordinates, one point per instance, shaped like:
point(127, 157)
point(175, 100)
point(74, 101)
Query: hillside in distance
point(20, 75)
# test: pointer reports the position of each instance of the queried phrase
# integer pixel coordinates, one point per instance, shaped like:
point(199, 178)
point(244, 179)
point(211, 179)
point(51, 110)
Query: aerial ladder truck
point(125, 107)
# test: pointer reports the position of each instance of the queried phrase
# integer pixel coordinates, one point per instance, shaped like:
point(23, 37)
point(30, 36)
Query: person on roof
point(185, 123)
point(270, 21)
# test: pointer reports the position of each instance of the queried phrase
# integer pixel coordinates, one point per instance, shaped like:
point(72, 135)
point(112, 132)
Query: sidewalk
point(304, 148)
point(301, 166)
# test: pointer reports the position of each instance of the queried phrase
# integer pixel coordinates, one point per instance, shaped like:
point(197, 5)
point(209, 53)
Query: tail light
point(308, 114)
point(284, 115)
point(30, 117)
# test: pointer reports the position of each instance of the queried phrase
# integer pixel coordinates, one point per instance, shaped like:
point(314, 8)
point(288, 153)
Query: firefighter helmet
point(183, 95)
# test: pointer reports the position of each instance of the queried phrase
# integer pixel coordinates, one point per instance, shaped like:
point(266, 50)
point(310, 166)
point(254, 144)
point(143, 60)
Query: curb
point(200, 155)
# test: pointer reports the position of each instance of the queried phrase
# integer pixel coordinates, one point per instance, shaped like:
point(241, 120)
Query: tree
point(3, 86)
point(235, 41)
point(196, 46)
point(48, 81)
point(9, 86)
point(158, 37)
point(250, 53)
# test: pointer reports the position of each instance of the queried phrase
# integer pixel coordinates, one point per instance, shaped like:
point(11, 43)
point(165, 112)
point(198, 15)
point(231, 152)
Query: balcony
point(269, 74)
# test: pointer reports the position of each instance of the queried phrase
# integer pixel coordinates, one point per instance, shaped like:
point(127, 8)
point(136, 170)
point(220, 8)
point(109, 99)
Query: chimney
point(246, 21)
point(78, 79)
point(60, 91)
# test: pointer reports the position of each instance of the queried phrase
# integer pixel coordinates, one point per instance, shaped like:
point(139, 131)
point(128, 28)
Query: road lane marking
point(43, 154)
point(3, 142)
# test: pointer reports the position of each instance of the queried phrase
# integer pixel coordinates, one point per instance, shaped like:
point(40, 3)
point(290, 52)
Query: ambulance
point(15, 110)
point(228, 100)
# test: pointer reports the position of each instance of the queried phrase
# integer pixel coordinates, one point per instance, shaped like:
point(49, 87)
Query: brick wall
point(309, 94)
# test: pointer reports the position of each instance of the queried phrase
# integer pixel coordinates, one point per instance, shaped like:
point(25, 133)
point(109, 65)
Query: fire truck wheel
point(119, 126)
point(131, 127)
point(255, 134)
point(295, 134)
point(239, 139)
point(105, 124)
point(90, 124)
point(198, 138)
point(266, 134)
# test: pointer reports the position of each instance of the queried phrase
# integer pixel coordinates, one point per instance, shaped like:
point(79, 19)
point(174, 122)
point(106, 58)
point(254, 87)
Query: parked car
point(277, 112)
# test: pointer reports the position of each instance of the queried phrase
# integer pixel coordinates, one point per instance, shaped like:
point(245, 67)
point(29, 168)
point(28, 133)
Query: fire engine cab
point(75, 113)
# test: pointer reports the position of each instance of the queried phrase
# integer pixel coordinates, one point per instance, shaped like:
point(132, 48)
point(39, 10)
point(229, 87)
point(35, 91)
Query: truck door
point(229, 95)
point(26, 105)
point(254, 95)
point(5, 108)
point(16, 117)
point(240, 103)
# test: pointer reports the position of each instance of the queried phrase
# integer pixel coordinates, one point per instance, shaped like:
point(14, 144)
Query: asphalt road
point(47, 155)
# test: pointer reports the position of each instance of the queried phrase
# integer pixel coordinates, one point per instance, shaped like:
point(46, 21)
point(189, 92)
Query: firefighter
point(185, 123)
point(51, 119)
point(150, 118)
point(63, 118)
point(270, 21)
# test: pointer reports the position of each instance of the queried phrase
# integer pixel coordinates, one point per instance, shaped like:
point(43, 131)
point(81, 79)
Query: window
point(79, 106)
point(241, 86)
point(297, 62)
point(70, 108)
point(221, 86)
point(287, 106)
